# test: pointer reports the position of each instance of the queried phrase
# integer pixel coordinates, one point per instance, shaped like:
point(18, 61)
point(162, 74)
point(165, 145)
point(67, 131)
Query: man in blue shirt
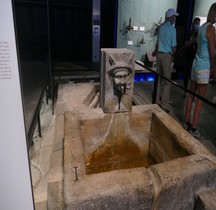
point(165, 49)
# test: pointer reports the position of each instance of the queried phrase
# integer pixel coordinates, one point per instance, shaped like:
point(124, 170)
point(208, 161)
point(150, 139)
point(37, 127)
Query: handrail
point(176, 84)
point(35, 119)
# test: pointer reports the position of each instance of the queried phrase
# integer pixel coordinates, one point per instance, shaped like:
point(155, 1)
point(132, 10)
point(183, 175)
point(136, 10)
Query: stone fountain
point(121, 156)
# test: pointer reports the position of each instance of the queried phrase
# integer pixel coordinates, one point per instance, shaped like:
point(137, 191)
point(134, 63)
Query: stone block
point(41, 205)
point(176, 181)
point(57, 159)
point(205, 199)
point(120, 189)
point(164, 143)
point(55, 196)
point(117, 76)
point(59, 133)
point(184, 166)
point(56, 174)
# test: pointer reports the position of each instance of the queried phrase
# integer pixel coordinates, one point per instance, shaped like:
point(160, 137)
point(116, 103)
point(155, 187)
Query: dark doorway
point(108, 23)
point(183, 21)
point(71, 31)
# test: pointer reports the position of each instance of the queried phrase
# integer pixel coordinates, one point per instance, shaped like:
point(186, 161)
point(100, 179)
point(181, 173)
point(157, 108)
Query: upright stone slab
point(117, 75)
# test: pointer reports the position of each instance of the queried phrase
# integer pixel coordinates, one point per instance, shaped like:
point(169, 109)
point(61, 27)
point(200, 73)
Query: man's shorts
point(200, 76)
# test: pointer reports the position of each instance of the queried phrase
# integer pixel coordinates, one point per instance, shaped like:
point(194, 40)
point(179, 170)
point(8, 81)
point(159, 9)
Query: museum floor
point(41, 150)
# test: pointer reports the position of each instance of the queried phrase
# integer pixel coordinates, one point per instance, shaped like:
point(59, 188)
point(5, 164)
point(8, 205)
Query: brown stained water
point(93, 168)
point(114, 155)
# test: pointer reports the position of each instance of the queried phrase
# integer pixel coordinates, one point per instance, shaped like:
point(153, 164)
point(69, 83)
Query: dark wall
point(31, 22)
point(32, 42)
point(71, 28)
point(183, 22)
point(71, 31)
point(108, 23)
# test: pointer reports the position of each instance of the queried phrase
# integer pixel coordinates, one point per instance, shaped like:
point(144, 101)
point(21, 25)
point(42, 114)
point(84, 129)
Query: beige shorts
point(200, 76)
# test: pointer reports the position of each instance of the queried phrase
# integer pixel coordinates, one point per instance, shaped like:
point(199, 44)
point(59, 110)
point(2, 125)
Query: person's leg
point(187, 72)
point(202, 88)
point(165, 94)
point(189, 101)
point(159, 70)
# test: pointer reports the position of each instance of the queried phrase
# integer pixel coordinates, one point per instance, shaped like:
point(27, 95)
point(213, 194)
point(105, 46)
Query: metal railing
point(173, 83)
point(36, 118)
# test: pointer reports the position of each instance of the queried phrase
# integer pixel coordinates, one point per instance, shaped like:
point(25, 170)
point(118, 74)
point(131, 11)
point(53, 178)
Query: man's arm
point(154, 53)
point(173, 51)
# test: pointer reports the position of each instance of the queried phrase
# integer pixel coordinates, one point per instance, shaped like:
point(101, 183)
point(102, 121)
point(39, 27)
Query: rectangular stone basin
point(141, 159)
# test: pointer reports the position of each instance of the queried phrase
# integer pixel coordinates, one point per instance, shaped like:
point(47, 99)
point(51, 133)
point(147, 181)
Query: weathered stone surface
point(55, 196)
point(117, 75)
point(119, 189)
point(175, 182)
point(41, 205)
point(164, 143)
point(57, 159)
point(74, 96)
point(184, 165)
point(183, 168)
point(116, 142)
point(59, 133)
point(205, 200)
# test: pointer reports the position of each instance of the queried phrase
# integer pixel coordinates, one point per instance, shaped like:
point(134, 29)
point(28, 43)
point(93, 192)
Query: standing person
point(190, 50)
point(165, 49)
point(203, 66)
point(194, 29)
